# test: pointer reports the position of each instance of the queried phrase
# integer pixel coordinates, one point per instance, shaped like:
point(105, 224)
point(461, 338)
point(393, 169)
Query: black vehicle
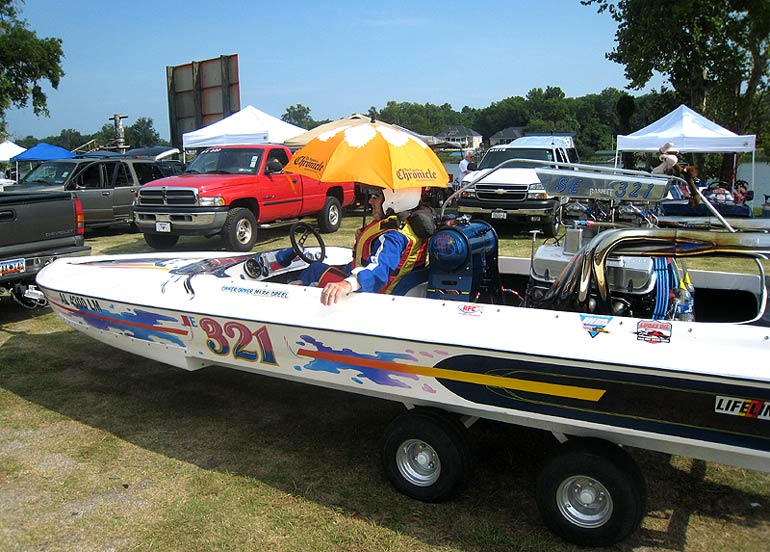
point(36, 229)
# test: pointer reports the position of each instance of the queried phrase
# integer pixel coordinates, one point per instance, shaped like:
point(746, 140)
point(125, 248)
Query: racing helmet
point(400, 200)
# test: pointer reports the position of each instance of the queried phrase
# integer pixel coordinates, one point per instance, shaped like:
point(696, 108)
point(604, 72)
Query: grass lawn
point(103, 450)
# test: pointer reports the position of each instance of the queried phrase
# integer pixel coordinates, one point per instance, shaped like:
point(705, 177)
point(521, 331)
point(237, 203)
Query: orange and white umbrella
point(302, 139)
point(376, 154)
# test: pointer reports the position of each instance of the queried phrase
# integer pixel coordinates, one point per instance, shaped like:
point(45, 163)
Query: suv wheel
point(240, 229)
point(161, 242)
point(330, 217)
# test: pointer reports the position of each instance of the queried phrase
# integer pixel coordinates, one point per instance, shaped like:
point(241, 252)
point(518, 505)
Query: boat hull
point(662, 385)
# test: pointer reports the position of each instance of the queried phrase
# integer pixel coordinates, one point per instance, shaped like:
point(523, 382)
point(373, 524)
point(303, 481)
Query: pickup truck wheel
point(240, 229)
point(330, 217)
point(552, 227)
point(161, 242)
point(591, 493)
point(426, 454)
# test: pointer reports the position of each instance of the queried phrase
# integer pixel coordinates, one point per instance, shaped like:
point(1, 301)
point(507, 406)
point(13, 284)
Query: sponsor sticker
point(747, 408)
point(595, 324)
point(653, 331)
point(13, 266)
point(470, 309)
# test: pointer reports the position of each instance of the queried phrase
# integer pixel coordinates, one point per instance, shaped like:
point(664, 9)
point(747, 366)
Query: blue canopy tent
point(43, 152)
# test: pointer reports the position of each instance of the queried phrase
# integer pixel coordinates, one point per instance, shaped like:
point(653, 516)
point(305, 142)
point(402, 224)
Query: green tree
point(67, 139)
point(142, 134)
point(105, 136)
point(25, 62)
point(299, 115)
point(510, 112)
point(715, 54)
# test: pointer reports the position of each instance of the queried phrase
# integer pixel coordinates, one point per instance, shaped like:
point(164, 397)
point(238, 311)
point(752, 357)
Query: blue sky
point(335, 57)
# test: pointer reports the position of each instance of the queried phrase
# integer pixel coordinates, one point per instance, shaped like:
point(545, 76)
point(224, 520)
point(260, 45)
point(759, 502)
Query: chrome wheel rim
point(584, 501)
point(334, 215)
point(418, 463)
point(243, 231)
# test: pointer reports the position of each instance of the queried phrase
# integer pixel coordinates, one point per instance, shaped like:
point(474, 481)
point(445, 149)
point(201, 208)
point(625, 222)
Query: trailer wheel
point(330, 217)
point(240, 229)
point(591, 493)
point(161, 242)
point(426, 454)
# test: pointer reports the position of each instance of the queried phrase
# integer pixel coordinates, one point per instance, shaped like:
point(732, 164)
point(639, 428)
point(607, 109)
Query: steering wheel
point(298, 233)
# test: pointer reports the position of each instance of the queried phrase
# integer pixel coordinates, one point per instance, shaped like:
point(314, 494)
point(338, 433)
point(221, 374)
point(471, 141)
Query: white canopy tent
point(8, 149)
point(689, 131)
point(248, 126)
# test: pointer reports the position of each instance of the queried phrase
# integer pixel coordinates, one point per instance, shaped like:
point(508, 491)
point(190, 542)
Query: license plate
point(163, 227)
point(499, 215)
point(14, 266)
point(535, 219)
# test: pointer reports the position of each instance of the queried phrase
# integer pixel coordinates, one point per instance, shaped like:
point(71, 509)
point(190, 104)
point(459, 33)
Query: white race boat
point(603, 338)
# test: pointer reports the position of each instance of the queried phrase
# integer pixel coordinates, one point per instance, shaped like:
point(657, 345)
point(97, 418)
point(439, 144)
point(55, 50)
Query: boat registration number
point(163, 227)
point(13, 266)
point(499, 215)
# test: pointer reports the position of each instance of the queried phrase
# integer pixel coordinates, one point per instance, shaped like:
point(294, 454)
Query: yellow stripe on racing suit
point(387, 250)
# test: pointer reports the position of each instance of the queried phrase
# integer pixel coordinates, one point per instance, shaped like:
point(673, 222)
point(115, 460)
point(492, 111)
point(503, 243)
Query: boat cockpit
point(613, 258)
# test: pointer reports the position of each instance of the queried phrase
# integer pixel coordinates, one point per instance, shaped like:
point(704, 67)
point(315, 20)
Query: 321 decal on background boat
point(600, 339)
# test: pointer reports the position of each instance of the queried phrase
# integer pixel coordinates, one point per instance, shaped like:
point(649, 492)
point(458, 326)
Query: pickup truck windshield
point(50, 172)
point(494, 157)
point(226, 161)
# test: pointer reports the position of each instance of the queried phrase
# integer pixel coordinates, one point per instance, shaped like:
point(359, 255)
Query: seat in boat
point(414, 284)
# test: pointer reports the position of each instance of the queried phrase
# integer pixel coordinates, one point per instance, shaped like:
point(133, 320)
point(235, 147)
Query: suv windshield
point(494, 157)
point(226, 161)
point(53, 173)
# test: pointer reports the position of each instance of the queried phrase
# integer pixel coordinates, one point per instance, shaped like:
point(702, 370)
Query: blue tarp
point(43, 152)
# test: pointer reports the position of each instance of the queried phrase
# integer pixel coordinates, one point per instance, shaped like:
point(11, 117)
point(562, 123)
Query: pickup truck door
point(124, 185)
point(280, 193)
point(90, 184)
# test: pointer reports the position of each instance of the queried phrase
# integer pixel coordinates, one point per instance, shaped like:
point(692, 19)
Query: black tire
point(330, 217)
point(591, 493)
point(552, 227)
point(161, 242)
point(426, 455)
point(240, 229)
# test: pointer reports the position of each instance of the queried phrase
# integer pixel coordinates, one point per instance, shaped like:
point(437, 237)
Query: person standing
point(464, 167)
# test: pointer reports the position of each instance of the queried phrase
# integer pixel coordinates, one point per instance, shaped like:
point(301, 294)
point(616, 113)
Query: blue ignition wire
point(662, 288)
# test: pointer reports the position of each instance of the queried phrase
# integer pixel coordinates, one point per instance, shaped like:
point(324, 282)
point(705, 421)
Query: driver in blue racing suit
point(385, 250)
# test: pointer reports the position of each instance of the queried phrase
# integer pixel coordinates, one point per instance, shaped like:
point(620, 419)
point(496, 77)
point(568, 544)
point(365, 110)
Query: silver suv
point(106, 186)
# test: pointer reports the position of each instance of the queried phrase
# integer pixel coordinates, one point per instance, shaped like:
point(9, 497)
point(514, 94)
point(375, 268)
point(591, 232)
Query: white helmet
point(401, 200)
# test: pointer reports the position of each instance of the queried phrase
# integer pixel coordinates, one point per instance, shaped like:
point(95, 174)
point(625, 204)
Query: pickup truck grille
point(168, 196)
point(497, 192)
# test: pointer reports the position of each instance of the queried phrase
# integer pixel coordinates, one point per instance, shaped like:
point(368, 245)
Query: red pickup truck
point(231, 191)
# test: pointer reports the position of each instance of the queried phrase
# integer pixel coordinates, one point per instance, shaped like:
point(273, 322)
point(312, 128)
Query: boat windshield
point(226, 161)
point(494, 157)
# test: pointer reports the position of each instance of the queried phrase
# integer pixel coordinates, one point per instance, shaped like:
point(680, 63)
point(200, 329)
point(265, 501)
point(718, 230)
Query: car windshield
point(50, 173)
point(494, 157)
point(226, 161)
